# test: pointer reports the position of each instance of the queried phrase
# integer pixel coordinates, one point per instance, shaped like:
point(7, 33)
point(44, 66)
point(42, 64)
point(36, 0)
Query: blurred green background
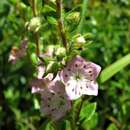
point(109, 23)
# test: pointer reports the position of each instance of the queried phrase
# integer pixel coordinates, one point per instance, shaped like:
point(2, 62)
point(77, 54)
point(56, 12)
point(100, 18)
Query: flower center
point(77, 76)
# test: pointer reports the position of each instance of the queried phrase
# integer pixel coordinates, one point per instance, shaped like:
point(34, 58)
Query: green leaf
point(49, 126)
point(83, 15)
point(52, 20)
point(92, 123)
point(112, 127)
point(87, 111)
point(67, 125)
point(108, 72)
point(48, 8)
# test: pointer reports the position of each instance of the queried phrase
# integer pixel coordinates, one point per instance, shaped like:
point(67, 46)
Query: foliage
point(106, 29)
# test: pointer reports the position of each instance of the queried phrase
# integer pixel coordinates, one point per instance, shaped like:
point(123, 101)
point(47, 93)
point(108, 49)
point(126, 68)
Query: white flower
point(79, 77)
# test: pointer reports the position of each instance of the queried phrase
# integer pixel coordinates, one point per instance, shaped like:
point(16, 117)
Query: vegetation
point(105, 26)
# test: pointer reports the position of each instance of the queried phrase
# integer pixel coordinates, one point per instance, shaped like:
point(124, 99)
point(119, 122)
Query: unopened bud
point(60, 51)
point(80, 39)
point(34, 24)
point(74, 16)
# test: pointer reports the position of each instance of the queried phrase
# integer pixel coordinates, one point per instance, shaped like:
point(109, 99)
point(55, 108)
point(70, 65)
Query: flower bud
point(74, 16)
point(80, 39)
point(34, 24)
point(49, 51)
point(60, 51)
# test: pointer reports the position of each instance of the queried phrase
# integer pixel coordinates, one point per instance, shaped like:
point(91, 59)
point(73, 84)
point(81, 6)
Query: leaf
point(52, 20)
point(112, 127)
point(87, 111)
point(90, 124)
point(48, 8)
point(83, 15)
point(67, 125)
point(76, 105)
point(108, 72)
point(49, 126)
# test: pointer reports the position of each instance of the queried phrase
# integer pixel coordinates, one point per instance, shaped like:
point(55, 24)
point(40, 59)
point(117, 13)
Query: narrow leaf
point(108, 72)
point(83, 15)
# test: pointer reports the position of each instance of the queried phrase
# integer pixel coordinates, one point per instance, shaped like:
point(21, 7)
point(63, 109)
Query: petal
point(41, 71)
point(90, 89)
point(38, 85)
point(76, 63)
point(73, 90)
point(95, 68)
point(55, 100)
point(45, 110)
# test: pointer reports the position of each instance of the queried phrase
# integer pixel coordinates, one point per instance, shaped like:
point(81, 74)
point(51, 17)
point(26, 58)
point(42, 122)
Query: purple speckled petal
point(91, 88)
point(55, 102)
point(91, 70)
point(73, 90)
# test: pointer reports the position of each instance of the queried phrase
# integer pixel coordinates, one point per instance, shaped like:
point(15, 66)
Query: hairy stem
point(36, 35)
point(60, 22)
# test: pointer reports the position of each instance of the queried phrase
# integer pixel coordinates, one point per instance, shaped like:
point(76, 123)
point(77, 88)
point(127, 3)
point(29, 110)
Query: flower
point(39, 84)
point(79, 77)
point(54, 101)
point(17, 53)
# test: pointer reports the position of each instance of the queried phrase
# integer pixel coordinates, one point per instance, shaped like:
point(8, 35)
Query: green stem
point(36, 35)
point(34, 8)
point(79, 110)
point(75, 121)
point(60, 22)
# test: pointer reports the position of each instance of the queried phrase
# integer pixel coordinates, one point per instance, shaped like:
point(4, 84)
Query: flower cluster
point(76, 79)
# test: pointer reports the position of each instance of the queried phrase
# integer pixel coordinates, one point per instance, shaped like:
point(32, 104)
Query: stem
point(34, 8)
point(60, 22)
point(77, 118)
point(36, 35)
point(37, 44)
point(115, 121)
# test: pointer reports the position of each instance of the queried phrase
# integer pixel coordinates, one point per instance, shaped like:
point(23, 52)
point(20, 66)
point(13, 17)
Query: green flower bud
point(34, 24)
point(80, 39)
point(74, 16)
point(61, 51)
